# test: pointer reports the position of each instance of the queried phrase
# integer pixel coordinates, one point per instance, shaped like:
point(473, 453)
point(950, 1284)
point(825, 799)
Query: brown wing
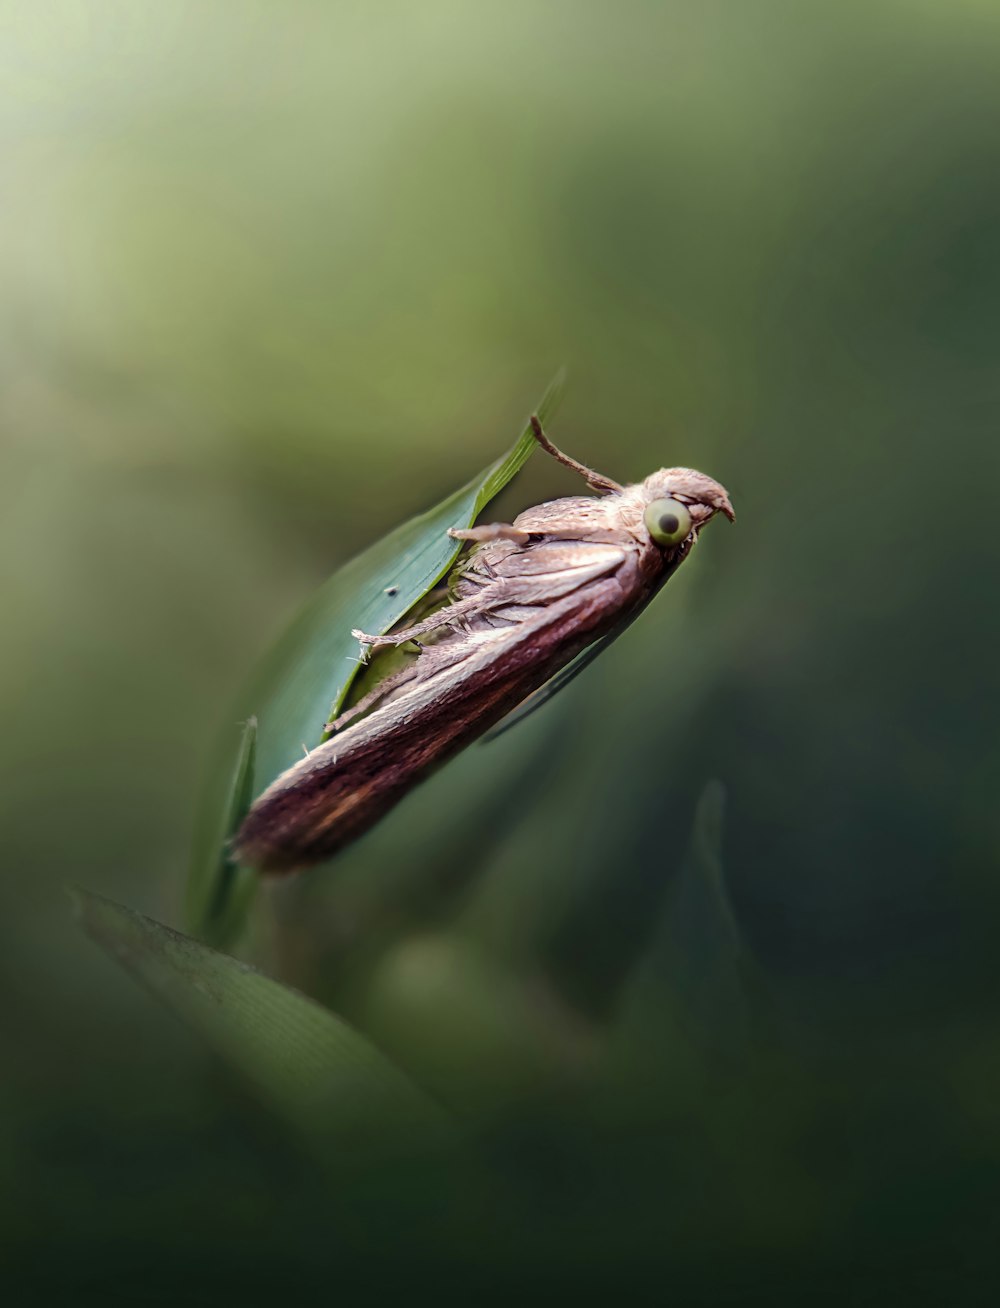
point(465, 684)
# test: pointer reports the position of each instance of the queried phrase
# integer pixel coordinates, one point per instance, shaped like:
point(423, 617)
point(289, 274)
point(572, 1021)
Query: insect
point(531, 603)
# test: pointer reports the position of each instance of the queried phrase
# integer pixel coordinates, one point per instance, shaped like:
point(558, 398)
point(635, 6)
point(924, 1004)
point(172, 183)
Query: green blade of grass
point(307, 675)
point(318, 1073)
point(231, 888)
point(693, 973)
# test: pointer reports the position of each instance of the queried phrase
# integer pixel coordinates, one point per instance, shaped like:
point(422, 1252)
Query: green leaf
point(306, 677)
point(694, 970)
point(231, 887)
point(308, 1065)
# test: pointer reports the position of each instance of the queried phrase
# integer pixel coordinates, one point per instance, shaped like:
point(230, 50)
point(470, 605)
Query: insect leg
point(390, 683)
point(595, 479)
point(451, 615)
point(490, 531)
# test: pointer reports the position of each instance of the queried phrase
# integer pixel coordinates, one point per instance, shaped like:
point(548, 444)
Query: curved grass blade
point(305, 678)
point(695, 968)
point(313, 1069)
point(232, 886)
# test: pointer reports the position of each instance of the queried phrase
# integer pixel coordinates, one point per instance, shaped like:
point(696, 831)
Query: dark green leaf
point(231, 886)
point(695, 965)
point(311, 1067)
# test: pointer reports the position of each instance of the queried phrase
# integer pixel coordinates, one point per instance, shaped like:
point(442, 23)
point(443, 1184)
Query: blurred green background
point(273, 277)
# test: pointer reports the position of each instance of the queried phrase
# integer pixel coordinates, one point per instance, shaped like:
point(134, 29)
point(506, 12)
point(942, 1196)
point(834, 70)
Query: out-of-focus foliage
point(328, 1082)
point(273, 278)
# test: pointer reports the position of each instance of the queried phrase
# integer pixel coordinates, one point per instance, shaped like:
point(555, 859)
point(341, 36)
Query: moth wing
point(559, 682)
point(548, 571)
point(347, 783)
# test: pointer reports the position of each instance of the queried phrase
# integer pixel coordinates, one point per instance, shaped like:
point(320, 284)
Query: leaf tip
point(77, 899)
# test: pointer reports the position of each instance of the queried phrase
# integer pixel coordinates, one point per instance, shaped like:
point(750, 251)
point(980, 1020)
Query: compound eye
point(668, 521)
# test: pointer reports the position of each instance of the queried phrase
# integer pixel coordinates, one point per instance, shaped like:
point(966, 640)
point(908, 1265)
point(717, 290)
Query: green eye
point(668, 521)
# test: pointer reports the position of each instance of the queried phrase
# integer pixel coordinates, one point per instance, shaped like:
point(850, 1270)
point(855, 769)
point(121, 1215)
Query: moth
point(530, 603)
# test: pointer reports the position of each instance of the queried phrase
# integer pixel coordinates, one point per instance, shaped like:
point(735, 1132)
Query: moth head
point(677, 504)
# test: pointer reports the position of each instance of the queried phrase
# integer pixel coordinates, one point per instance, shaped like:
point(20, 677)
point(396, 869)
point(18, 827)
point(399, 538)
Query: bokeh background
point(274, 277)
